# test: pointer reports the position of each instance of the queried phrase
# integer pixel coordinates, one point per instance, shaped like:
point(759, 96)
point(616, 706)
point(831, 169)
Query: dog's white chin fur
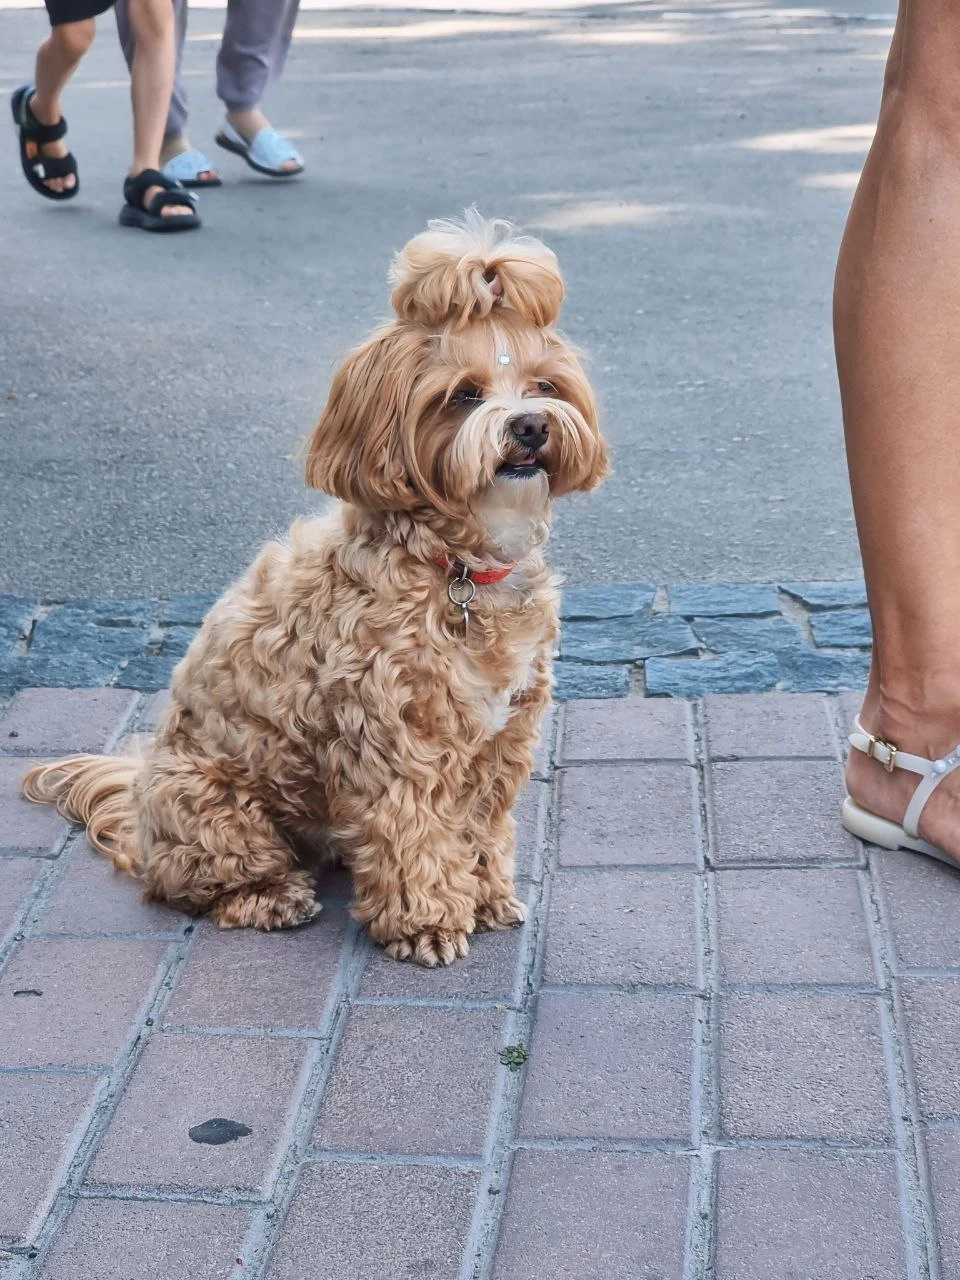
point(515, 511)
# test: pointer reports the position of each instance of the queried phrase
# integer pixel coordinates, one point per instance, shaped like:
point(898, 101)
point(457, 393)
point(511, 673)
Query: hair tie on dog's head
point(459, 271)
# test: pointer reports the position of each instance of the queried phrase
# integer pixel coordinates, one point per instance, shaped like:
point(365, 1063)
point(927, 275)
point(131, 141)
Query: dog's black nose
point(530, 430)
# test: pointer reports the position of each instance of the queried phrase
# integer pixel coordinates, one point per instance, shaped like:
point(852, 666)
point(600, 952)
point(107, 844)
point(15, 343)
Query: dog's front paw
point(431, 948)
point(284, 905)
point(501, 913)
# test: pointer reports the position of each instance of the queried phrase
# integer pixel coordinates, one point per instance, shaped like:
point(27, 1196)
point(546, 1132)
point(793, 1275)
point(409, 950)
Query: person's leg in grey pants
point(256, 38)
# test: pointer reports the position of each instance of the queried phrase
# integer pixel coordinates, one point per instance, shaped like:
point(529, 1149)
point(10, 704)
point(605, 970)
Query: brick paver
point(17, 876)
point(742, 1032)
point(804, 1213)
point(580, 1215)
point(153, 1239)
point(923, 906)
point(25, 828)
point(620, 928)
point(768, 725)
point(597, 731)
point(640, 814)
point(417, 1081)
point(932, 1008)
point(943, 1147)
point(41, 1120)
point(796, 925)
point(803, 1066)
point(47, 721)
point(74, 1003)
point(181, 1083)
point(361, 1221)
point(91, 896)
point(237, 979)
point(778, 811)
point(614, 1066)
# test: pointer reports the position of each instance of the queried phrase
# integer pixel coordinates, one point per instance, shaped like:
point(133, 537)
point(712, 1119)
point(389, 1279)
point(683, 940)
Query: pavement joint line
point(265, 1229)
point(47, 876)
point(618, 761)
point(124, 729)
point(678, 1147)
point(477, 1260)
point(794, 759)
point(700, 1245)
point(619, 989)
point(452, 1003)
point(608, 1146)
point(102, 935)
point(826, 1146)
point(587, 869)
point(950, 1124)
point(111, 1092)
point(839, 727)
point(166, 1194)
point(793, 610)
point(396, 1159)
point(801, 988)
point(248, 1033)
point(24, 855)
point(808, 864)
point(913, 1175)
point(53, 1071)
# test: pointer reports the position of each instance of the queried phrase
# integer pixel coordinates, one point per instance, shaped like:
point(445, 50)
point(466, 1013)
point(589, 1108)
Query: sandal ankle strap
point(932, 772)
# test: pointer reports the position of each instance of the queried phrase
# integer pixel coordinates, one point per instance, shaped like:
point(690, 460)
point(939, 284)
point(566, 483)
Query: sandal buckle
point(873, 743)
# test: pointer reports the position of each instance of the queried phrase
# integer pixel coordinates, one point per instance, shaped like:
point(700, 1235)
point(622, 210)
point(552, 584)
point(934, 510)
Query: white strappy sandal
point(888, 835)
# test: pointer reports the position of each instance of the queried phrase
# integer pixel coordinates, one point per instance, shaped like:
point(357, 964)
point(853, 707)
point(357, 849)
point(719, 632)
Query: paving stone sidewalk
point(623, 638)
point(740, 1028)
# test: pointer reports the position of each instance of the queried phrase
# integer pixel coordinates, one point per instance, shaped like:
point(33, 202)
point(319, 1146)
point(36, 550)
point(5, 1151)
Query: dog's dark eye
point(466, 395)
point(546, 389)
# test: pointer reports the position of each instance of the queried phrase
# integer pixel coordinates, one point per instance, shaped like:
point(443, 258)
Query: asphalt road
point(692, 166)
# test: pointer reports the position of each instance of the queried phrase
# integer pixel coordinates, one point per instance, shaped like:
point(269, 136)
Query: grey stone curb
point(674, 642)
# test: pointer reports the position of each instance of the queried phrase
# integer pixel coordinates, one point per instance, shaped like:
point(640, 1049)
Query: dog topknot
point(459, 270)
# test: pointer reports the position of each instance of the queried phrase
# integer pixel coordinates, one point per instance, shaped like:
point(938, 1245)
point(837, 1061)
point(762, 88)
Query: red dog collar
point(482, 577)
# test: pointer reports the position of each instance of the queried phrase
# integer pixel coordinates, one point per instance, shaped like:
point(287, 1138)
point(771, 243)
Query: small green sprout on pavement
point(513, 1056)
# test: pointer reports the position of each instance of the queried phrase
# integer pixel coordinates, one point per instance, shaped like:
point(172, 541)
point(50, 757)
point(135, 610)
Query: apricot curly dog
point(376, 681)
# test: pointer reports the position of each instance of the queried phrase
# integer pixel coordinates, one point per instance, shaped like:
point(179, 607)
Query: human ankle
point(174, 144)
point(46, 110)
point(926, 723)
point(247, 121)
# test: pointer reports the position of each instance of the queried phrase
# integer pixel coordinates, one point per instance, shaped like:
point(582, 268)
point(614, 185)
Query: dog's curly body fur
point(334, 694)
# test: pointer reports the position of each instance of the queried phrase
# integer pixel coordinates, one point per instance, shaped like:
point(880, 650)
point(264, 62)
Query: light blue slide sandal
point(266, 152)
point(188, 169)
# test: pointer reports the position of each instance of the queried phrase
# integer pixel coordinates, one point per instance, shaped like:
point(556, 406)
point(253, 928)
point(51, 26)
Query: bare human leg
point(151, 84)
point(897, 331)
point(57, 59)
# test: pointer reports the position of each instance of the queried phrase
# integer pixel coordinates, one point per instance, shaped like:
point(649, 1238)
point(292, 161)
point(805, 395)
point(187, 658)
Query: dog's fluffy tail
point(97, 791)
point(459, 270)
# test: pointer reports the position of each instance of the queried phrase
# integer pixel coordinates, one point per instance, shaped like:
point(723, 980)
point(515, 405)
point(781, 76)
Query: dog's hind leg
point(213, 847)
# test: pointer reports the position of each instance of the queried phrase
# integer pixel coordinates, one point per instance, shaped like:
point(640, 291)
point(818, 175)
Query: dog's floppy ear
point(356, 451)
point(458, 271)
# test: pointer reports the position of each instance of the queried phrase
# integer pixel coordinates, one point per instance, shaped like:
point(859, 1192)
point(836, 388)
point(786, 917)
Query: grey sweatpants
point(254, 47)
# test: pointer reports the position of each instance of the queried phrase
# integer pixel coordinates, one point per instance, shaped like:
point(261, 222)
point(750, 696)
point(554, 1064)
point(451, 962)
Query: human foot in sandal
point(904, 800)
point(248, 134)
point(155, 203)
point(47, 164)
point(187, 165)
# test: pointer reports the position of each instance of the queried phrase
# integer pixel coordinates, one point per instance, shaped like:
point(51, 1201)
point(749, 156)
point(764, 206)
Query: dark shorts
point(61, 11)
